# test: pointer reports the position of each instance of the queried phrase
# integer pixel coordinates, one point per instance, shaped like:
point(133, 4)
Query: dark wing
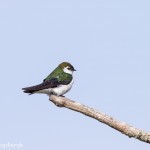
point(54, 82)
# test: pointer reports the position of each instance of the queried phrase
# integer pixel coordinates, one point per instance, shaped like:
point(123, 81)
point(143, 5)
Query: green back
point(60, 75)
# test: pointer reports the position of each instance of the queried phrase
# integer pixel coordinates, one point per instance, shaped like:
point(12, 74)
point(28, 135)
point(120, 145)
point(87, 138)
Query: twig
point(122, 127)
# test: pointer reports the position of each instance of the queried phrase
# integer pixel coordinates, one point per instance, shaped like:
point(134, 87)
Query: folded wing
point(54, 82)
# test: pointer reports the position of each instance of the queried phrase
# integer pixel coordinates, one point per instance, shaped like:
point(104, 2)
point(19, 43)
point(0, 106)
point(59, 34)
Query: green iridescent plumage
point(60, 75)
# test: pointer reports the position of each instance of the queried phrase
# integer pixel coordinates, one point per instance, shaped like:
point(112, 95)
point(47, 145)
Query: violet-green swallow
point(58, 82)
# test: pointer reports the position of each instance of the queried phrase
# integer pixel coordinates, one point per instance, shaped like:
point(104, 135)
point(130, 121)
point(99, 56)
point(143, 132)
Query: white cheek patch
point(66, 70)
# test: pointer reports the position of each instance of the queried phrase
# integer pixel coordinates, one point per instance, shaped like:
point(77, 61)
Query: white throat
point(66, 70)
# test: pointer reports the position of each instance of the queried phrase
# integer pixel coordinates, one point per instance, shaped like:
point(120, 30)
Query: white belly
point(60, 90)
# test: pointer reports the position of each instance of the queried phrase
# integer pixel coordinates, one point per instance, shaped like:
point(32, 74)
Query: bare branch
point(122, 127)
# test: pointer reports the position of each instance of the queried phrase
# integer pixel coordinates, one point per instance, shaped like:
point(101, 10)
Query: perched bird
point(58, 82)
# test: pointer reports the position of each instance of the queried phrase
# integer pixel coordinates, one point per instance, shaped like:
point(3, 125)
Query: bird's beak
point(74, 70)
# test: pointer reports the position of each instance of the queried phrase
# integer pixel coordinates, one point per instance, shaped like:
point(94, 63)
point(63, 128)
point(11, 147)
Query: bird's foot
point(62, 96)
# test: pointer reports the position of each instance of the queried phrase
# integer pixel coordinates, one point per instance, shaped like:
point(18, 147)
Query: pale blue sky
point(106, 41)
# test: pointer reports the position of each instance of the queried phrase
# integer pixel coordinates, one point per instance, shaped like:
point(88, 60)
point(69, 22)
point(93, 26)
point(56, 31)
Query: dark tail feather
point(25, 90)
point(30, 90)
point(45, 85)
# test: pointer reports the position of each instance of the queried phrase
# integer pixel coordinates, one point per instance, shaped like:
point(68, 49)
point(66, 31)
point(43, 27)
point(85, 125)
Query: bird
point(58, 82)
